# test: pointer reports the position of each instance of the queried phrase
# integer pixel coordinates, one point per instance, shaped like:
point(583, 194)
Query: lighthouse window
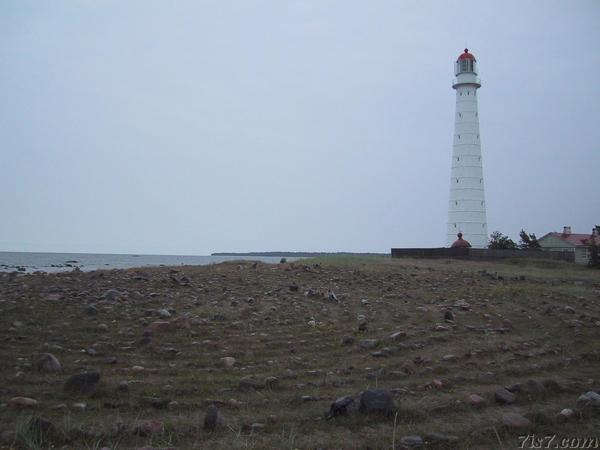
point(454, 225)
point(456, 203)
point(461, 93)
point(476, 114)
point(468, 92)
point(458, 158)
point(481, 203)
point(459, 136)
point(457, 180)
point(480, 180)
point(459, 115)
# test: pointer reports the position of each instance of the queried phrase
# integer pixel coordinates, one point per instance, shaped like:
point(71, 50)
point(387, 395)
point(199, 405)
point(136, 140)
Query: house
point(571, 242)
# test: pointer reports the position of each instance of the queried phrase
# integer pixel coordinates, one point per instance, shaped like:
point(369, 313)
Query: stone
point(257, 427)
point(182, 323)
point(449, 358)
point(228, 362)
point(249, 383)
point(159, 326)
point(341, 407)
point(377, 401)
point(80, 406)
point(47, 362)
point(398, 335)
point(475, 400)
point(503, 395)
point(368, 343)
point(213, 418)
point(272, 382)
point(149, 428)
point(411, 442)
point(515, 421)
point(123, 386)
point(91, 310)
point(439, 438)
point(22, 402)
point(566, 413)
point(449, 316)
point(589, 399)
point(163, 313)
point(111, 295)
point(347, 340)
point(83, 383)
point(462, 304)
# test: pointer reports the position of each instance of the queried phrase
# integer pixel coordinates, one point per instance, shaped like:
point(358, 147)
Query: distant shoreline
point(298, 254)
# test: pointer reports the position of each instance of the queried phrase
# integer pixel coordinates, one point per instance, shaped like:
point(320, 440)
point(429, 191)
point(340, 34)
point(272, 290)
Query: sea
point(26, 262)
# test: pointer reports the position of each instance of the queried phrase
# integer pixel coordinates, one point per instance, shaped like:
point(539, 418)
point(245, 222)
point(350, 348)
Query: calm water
point(58, 262)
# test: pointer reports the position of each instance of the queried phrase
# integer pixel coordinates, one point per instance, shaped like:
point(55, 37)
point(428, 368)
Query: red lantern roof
point(460, 242)
point(466, 55)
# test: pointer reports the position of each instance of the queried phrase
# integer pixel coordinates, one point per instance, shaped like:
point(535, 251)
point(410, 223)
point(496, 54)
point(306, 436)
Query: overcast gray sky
point(190, 127)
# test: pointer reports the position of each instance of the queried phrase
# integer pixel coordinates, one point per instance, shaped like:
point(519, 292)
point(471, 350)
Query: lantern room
point(466, 63)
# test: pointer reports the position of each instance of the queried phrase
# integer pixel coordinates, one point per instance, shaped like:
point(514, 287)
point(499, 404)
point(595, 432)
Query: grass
point(271, 335)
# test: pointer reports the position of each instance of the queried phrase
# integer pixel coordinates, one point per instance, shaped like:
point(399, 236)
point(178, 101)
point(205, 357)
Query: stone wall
point(478, 254)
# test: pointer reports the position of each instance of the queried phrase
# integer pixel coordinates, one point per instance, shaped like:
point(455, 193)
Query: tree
point(500, 242)
point(528, 241)
point(594, 248)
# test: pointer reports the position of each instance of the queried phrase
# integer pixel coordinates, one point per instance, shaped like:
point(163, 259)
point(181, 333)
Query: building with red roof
point(571, 242)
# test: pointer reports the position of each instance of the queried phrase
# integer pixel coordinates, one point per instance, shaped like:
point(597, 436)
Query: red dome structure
point(460, 242)
point(466, 55)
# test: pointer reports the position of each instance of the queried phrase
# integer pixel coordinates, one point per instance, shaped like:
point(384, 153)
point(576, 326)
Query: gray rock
point(213, 418)
point(341, 407)
point(411, 442)
point(515, 421)
point(91, 310)
point(368, 343)
point(439, 438)
point(164, 314)
point(504, 396)
point(111, 295)
point(47, 362)
point(590, 399)
point(249, 383)
point(83, 383)
point(377, 401)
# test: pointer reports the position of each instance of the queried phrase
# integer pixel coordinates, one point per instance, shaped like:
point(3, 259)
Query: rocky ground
point(358, 353)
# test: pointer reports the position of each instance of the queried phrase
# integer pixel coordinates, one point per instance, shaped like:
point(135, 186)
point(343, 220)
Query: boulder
point(503, 395)
point(83, 383)
point(341, 407)
point(589, 399)
point(22, 402)
point(515, 421)
point(377, 401)
point(47, 362)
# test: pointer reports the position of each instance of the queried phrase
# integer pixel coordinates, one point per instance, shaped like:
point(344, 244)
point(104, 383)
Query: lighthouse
point(466, 209)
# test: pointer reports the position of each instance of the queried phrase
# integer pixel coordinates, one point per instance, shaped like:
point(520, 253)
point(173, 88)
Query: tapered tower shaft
point(467, 208)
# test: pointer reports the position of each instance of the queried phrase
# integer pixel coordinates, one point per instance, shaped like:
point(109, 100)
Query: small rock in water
point(22, 402)
point(83, 383)
point(377, 401)
point(213, 418)
point(47, 362)
point(515, 421)
point(504, 396)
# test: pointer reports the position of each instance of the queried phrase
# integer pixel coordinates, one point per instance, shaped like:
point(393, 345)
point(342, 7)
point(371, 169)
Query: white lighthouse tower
point(466, 210)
